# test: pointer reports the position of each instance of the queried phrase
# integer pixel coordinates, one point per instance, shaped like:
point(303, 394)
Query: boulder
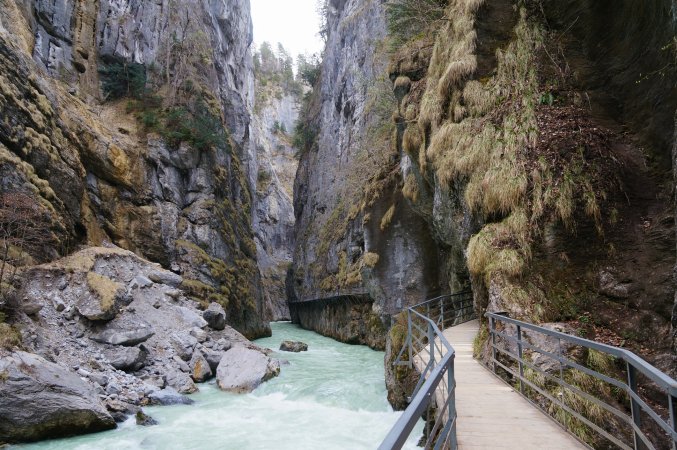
point(190, 317)
point(144, 419)
point(41, 400)
point(213, 358)
point(215, 316)
point(101, 299)
point(180, 381)
point(293, 346)
point(124, 336)
point(129, 359)
point(166, 277)
point(169, 396)
point(242, 369)
point(199, 334)
point(184, 344)
point(200, 370)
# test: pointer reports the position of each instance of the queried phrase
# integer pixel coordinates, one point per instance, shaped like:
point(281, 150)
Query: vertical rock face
point(355, 233)
point(542, 182)
point(274, 219)
point(103, 175)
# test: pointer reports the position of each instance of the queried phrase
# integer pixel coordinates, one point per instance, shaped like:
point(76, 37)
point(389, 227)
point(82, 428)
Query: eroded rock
point(40, 400)
point(242, 369)
point(215, 316)
point(293, 346)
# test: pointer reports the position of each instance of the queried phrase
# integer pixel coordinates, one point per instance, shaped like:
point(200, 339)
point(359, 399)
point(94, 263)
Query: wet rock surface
point(242, 370)
point(293, 346)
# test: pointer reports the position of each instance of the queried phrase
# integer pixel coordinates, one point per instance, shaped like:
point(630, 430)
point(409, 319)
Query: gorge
point(169, 188)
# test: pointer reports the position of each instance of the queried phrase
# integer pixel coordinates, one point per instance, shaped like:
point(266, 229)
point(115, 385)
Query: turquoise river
point(331, 397)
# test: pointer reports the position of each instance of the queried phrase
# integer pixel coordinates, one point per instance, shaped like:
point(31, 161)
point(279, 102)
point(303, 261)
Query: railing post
point(431, 342)
point(492, 331)
point(442, 314)
point(520, 356)
point(672, 404)
point(634, 406)
point(451, 388)
point(410, 340)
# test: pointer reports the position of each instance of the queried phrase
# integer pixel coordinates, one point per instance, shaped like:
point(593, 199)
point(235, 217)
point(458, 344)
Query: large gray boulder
point(40, 400)
point(242, 369)
point(127, 336)
point(215, 316)
point(127, 358)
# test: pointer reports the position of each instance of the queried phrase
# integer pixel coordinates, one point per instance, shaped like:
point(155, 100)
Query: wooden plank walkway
point(491, 415)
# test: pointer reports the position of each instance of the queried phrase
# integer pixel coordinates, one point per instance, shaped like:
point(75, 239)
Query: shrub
point(120, 78)
point(409, 18)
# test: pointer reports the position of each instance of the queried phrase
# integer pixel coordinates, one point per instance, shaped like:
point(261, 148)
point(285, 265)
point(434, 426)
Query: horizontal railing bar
point(621, 415)
point(568, 362)
point(614, 382)
point(399, 433)
point(563, 406)
point(644, 367)
point(458, 294)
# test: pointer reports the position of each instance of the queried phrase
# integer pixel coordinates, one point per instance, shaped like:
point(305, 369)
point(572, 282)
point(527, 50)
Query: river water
point(331, 397)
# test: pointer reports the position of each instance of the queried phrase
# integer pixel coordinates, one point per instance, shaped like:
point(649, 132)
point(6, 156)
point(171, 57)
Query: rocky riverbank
point(106, 332)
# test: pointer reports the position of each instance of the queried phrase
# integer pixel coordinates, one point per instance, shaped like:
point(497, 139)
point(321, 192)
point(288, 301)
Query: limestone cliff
point(530, 161)
point(355, 234)
point(113, 114)
point(274, 121)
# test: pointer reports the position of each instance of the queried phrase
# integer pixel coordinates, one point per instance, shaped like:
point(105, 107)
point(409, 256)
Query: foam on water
point(331, 397)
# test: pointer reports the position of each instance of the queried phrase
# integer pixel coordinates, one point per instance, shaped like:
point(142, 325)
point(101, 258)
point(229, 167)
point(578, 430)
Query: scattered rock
point(215, 316)
point(242, 369)
point(40, 400)
point(200, 370)
point(181, 363)
point(129, 359)
point(144, 420)
point(126, 337)
point(199, 334)
point(141, 282)
point(169, 396)
point(213, 359)
point(191, 317)
point(166, 277)
point(184, 344)
point(174, 294)
point(31, 308)
point(181, 382)
point(293, 346)
point(99, 301)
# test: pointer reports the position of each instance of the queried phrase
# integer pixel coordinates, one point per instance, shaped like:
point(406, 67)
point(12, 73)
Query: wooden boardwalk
point(491, 415)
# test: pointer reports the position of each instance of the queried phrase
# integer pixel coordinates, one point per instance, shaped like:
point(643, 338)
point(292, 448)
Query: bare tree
point(24, 232)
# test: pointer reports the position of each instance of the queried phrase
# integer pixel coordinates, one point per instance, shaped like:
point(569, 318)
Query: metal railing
point(428, 351)
point(620, 408)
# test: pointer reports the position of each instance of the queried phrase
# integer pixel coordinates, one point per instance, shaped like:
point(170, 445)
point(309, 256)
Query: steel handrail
point(634, 366)
point(431, 377)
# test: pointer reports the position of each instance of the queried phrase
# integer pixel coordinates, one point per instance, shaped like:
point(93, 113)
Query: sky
point(294, 23)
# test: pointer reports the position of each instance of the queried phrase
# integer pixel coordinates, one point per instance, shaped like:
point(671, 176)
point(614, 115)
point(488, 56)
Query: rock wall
point(347, 318)
point(274, 216)
point(355, 234)
point(101, 175)
point(536, 163)
point(530, 161)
